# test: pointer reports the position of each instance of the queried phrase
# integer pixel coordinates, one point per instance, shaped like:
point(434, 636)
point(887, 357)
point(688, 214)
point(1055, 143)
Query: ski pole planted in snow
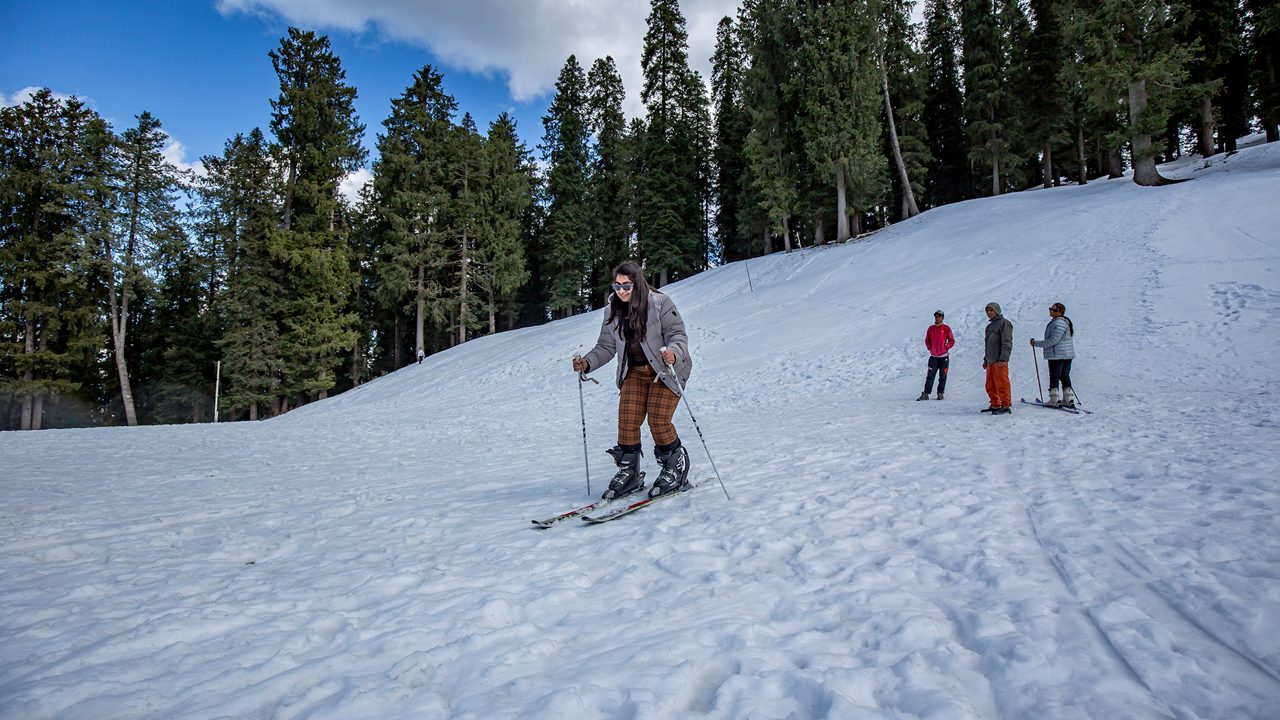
point(684, 396)
point(1036, 359)
point(582, 406)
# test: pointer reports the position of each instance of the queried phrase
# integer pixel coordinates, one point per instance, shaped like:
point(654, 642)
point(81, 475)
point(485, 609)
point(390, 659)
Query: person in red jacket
point(939, 340)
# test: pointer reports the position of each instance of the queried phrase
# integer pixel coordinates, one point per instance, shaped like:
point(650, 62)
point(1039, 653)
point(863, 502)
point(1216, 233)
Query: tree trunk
point(421, 320)
point(842, 216)
point(399, 340)
point(909, 207)
point(1272, 126)
point(253, 411)
point(119, 327)
point(857, 223)
point(462, 290)
point(122, 370)
point(1204, 133)
point(995, 170)
point(1046, 164)
point(28, 375)
point(819, 231)
point(1083, 171)
point(1144, 159)
point(768, 241)
point(1115, 164)
point(37, 412)
point(786, 234)
point(493, 318)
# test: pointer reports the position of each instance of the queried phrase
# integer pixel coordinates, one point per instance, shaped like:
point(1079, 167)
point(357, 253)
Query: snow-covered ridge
point(368, 556)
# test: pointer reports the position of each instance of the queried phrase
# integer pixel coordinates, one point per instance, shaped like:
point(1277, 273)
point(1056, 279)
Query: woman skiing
point(1059, 350)
point(644, 329)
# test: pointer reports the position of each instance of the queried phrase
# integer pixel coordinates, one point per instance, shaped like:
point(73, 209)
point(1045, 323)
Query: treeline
point(124, 281)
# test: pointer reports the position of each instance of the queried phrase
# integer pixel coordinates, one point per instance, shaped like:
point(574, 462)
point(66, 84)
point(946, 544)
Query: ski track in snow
point(370, 556)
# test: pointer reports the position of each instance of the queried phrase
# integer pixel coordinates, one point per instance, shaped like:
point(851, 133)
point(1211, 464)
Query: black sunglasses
point(621, 287)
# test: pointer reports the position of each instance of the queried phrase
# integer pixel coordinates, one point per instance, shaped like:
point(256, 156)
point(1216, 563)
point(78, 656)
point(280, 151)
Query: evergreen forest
point(133, 292)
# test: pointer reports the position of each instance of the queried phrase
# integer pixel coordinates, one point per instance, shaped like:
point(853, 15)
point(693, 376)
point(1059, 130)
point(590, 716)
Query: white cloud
point(354, 183)
point(26, 94)
point(176, 154)
point(526, 41)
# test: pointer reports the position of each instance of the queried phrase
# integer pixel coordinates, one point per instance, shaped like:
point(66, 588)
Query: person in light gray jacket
point(643, 328)
point(1059, 350)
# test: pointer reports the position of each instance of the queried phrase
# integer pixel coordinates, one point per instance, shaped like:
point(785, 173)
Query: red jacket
point(939, 340)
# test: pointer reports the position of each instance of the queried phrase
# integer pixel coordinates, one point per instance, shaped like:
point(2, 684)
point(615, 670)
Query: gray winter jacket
point(999, 338)
point(1057, 341)
point(664, 327)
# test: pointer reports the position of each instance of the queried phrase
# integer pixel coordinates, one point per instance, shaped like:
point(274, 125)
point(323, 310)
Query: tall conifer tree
point(318, 133)
point(565, 150)
point(948, 177)
point(611, 224)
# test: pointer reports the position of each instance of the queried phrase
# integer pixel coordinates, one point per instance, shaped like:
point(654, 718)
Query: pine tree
point(842, 101)
point(251, 308)
point(771, 101)
point(568, 222)
point(984, 91)
point(507, 192)
point(467, 172)
point(671, 216)
point(948, 177)
point(178, 343)
point(318, 134)
point(1214, 29)
point(611, 222)
point(904, 86)
point(46, 317)
point(148, 192)
point(1129, 51)
point(1045, 100)
point(412, 184)
point(728, 67)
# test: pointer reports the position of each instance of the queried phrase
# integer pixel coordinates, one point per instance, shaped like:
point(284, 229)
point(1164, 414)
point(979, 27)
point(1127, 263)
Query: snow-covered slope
point(370, 556)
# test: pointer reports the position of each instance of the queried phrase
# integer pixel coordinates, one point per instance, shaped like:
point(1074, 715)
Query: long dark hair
point(638, 313)
point(1062, 310)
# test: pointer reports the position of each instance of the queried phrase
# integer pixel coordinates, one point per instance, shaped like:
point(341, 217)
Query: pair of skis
point(609, 510)
point(1037, 402)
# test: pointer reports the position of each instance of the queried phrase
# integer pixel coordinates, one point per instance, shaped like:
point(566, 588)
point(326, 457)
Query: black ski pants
point(1059, 373)
point(937, 367)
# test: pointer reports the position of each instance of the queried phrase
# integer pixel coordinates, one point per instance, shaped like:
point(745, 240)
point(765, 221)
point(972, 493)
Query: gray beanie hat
point(994, 306)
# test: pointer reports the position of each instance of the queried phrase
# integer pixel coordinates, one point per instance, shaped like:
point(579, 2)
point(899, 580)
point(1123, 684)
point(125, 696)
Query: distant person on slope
point(995, 361)
point(1059, 350)
point(644, 329)
point(939, 340)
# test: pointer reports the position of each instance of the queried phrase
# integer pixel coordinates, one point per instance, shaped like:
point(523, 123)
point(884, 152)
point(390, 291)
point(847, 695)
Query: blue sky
point(201, 66)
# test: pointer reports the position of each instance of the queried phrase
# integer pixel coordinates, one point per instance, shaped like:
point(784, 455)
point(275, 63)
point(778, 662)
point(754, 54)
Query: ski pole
point(582, 406)
point(684, 396)
point(1036, 360)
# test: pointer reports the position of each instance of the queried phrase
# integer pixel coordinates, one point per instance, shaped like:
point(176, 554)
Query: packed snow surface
point(371, 555)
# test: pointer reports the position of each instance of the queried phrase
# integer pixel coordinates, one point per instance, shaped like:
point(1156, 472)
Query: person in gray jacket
point(1059, 351)
point(644, 329)
point(995, 360)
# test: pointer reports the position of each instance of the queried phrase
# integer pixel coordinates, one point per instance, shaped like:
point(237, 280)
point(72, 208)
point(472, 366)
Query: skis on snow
point(608, 509)
point(1037, 402)
point(570, 514)
point(642, 503)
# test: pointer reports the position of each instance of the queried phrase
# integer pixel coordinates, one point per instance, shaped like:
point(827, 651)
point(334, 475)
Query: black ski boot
point(628, 479)
point(923, 396)
point(675, 470)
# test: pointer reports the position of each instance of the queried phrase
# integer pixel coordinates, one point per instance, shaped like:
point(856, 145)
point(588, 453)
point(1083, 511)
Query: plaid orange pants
point(640, 397)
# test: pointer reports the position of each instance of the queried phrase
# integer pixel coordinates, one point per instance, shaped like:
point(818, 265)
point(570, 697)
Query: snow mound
point(370, 556)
